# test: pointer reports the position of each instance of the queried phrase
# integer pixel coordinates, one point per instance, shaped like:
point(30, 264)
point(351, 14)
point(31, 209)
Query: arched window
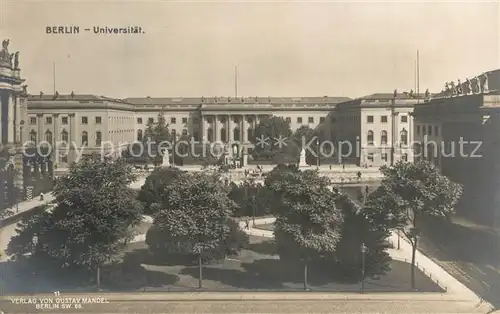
point(48, 136)
point(85, 138)
point(33, 136)
point(139, 135)
point(369, 138)
point(98, 138)
point(404, 137)
point(383, 138)
point(236, 134)
point(64, 136)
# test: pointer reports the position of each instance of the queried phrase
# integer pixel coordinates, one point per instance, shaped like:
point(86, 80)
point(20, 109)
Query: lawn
point(258, 268)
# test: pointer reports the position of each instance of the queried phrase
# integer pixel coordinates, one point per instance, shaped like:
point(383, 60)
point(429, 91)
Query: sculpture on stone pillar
point(5, 56)
point(467, 87)
point(25, 90)
point(427, 94)
point(459, 87)
point(16, 60)
point(483, 79)
point(477, 85)
point(395, 93)
point(453, 89)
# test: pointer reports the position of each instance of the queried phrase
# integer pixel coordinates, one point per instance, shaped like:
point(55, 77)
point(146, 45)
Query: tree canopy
point(268, 133)
point(307, 220)
point(152, 192)
point(194, 217)
point(91, 220)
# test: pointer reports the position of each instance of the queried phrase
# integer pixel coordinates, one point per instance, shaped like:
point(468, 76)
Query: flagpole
point(418, 78)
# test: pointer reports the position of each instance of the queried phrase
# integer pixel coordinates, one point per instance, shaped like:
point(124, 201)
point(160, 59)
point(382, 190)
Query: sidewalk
point(453, 286)
point(25, 206)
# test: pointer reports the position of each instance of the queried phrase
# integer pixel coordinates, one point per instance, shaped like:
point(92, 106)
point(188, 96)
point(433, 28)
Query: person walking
point(247, 224)
point(41, 197)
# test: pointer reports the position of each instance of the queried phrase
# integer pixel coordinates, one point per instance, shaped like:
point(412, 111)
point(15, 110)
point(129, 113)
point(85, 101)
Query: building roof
point(234, 100)
point(69, 97)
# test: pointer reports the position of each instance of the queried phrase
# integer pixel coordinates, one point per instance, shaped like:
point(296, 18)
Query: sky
point(281, 48)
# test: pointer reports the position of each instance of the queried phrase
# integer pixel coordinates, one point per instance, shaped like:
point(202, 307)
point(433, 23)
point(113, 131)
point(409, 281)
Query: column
point(17, 122)
point(244, 129)
point(55, 117)
point(216, 129)
point(204, 129)
point(11, 115)
point(40, 125)
point(55, 139)
point(230, 127)
point(72, 138)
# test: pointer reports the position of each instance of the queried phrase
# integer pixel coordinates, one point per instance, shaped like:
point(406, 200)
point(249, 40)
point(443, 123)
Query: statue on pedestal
point(459, 88)
point(467, 87)
point(483, 79)
point(302, 158)
point(166, 159)
point(16, 61)
point(5, 56)
point(427, 94)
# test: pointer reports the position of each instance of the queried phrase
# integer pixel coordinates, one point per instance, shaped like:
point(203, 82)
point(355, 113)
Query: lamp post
point(317, 152)
point(414, 234)
point(34, 242)
point(253, 209)
point(364, 249)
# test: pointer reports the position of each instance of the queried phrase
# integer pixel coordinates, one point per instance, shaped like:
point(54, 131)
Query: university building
point(459, 131)
point(374, 130)
point(85, 122)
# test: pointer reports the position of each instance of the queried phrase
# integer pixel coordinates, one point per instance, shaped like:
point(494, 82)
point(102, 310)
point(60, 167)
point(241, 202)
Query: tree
point(157, 132)
point(359, 229)
point(409, 192)
point(303, 136)
point(195, 217)
point(152, 192)
point(251, 198)
point(267, 133)
point(307, 220)
point(90, 223)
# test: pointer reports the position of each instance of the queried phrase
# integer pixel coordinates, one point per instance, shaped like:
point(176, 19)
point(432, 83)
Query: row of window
point(383, 138)
point(384, 119)
point(427, 130)
point(309, 120)
point(65, 137)
point(64, 120)
point(173, 120)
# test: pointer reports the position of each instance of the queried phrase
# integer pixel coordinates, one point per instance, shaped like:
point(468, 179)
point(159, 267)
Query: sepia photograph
point(249, 156)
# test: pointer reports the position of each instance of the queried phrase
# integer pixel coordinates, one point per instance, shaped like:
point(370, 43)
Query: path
point(454, 287)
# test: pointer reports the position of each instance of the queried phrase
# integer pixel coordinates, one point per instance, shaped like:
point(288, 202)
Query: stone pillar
point(17, 122)
point(230, 127)
point(11, 116)
point(55, 139)
point(244, 129)
point(72, 139)
point(40, 125)
point(216, 128)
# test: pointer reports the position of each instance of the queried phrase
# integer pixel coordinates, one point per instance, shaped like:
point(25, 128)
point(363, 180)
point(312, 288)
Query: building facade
point(13, 111)
point(373, 130)
point(84, 122)
point(459, 132)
